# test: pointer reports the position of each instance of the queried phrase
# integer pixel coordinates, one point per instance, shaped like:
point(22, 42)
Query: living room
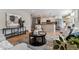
point(37, 29)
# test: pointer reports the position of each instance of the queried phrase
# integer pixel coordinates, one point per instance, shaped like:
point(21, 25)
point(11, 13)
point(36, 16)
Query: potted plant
point(60, 44)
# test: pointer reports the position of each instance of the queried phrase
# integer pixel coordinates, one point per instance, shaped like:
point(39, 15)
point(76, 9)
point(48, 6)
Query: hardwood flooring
point(20, 38)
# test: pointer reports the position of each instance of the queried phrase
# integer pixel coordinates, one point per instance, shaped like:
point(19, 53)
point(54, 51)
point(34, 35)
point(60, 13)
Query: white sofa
point(4, 44)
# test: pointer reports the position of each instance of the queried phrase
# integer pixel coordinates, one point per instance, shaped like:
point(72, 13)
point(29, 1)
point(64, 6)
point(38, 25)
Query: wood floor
point(20, 38)
point(23, 38)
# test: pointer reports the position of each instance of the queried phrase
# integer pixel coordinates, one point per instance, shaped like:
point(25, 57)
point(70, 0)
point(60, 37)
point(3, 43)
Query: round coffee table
point(37, 40)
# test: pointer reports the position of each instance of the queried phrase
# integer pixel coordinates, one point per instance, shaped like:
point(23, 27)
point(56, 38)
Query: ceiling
point(42, 12)
point(50, 12)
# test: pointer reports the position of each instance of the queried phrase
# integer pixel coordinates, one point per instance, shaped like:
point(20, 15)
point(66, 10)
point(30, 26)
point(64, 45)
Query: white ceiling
point(50, 12)
point(41, 12)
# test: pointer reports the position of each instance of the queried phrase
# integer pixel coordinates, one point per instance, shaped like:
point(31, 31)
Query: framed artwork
point(13, 20)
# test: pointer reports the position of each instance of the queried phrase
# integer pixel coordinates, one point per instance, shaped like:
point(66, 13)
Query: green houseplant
point(73, 40)
point(60, 44)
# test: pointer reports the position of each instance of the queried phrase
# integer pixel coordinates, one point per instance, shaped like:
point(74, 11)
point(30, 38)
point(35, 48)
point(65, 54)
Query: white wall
point(2, 20)
point(28, 21)
point(25, 16)
point(77, 20)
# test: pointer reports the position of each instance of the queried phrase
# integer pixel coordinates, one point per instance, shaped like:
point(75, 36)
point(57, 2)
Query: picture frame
point(13, 20)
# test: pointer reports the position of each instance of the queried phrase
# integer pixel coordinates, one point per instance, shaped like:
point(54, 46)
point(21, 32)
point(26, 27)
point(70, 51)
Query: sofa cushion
point(5, 45)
